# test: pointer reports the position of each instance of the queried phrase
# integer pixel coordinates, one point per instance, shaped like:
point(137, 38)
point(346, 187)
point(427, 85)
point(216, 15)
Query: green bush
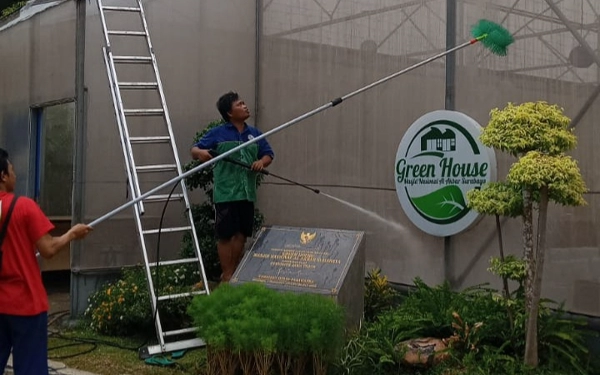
point(476, 323)
point(204, 215)
point(251, 325)
point(12, 9)
point(122, 308)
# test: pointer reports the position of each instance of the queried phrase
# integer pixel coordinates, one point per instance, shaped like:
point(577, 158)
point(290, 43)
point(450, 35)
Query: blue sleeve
point(208, 141)
point(264, 148)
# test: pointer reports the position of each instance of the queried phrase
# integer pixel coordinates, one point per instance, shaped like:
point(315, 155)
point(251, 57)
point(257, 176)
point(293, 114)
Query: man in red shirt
point(23, 298)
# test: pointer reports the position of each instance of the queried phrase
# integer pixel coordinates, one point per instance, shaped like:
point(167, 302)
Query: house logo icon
point(436, 140)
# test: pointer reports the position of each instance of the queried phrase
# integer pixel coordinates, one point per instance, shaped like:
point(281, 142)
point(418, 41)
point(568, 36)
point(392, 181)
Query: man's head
point(8, 178)
point(232, 108)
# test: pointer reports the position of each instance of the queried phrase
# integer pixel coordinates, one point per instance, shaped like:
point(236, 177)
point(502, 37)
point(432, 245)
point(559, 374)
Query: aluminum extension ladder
point(146, 145)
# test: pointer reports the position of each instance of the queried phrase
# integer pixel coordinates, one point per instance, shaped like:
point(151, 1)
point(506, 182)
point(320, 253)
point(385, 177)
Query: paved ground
point(55, 368)
point(58, 298)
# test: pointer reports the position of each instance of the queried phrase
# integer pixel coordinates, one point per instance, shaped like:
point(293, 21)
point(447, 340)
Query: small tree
point(538, 134)
point(498, 199)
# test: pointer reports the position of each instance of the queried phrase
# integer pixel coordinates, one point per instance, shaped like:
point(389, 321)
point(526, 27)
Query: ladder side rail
point(118, 101)
point(119, 126)
point(174, 147)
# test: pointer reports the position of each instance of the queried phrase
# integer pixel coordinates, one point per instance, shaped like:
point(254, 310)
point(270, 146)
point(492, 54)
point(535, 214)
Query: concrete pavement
point(56, 368)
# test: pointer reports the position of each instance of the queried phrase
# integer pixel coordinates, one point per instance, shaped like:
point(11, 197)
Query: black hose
point(214, 153)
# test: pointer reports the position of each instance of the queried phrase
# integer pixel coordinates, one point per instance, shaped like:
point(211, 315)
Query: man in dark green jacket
point(234, 190)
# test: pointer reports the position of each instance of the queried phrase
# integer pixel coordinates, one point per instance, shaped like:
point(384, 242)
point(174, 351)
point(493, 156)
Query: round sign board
point(439, 159)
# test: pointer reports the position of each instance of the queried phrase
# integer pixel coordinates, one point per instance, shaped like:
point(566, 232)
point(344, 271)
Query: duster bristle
point(493, 36)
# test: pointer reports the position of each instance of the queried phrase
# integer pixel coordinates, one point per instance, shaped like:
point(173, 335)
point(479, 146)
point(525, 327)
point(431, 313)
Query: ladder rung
point(156, 168)
point(179, 331)
point(121, 9)
point(126, 33)
point(138, 85)
point(167, 230)
point(144, 112)
point(163, 198)
point(132, 59)
point(181, 295)
point(158, 139)
point(172, 262)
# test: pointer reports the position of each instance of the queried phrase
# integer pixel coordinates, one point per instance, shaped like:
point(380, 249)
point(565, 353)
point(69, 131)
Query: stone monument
point(309, 260)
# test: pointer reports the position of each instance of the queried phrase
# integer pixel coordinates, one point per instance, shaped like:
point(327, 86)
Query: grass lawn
point(85, 350)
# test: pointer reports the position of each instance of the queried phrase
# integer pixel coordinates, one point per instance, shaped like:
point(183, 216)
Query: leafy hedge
point(251, 326)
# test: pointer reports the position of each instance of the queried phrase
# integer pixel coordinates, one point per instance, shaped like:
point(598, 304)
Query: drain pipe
point(258, 35)
point(79, 158)
point(450, 104)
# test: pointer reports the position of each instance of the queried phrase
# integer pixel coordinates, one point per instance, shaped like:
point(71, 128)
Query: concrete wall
point(200, 56)
point(38, 66)
point(348, 151)
point(207, 48)
point(204, 49)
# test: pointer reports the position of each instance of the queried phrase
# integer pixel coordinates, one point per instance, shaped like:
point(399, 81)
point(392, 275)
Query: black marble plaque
point(313, 260)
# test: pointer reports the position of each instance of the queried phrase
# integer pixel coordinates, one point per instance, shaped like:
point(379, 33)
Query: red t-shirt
point(22, 292)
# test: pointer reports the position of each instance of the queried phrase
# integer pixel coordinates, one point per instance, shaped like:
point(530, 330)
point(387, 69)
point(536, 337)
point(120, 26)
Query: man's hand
point(79, 231)
point(258, 166)
point(262, 163)
point(199, 154)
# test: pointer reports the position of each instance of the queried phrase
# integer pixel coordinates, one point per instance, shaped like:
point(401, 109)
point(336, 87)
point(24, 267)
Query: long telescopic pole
point(281, 127)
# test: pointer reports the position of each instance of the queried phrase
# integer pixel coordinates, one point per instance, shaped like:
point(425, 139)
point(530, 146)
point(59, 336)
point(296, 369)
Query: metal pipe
point(586, 106)
point(450, 100)
point(450, 104)
point(258, 35)
point(279, 128)
point(78, 210)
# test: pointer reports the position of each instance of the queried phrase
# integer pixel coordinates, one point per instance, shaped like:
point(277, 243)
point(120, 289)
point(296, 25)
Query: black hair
point(225, 103)
point(3, 161)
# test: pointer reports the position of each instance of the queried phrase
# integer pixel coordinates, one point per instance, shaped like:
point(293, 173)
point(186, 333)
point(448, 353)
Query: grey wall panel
point(38, 66)
point(349, 152)
point(201, 55)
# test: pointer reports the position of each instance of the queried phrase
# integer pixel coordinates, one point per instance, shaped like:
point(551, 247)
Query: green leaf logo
point(441, 206)
point(439, 159)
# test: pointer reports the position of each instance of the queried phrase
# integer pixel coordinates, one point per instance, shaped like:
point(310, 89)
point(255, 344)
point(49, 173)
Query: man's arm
point(200, 150)
point(49, 246)
point(200, 154)
point(265, 155)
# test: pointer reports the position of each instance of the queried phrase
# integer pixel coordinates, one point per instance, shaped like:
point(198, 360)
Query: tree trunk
point(504, 278)
point(531, 340)
point(529, 256)
point(528, 251)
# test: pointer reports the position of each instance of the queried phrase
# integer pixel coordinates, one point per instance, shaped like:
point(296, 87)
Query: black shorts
point(234, 217)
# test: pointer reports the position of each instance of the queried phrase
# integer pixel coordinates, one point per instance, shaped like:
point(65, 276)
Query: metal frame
point(541, 25)
point(512, 9)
